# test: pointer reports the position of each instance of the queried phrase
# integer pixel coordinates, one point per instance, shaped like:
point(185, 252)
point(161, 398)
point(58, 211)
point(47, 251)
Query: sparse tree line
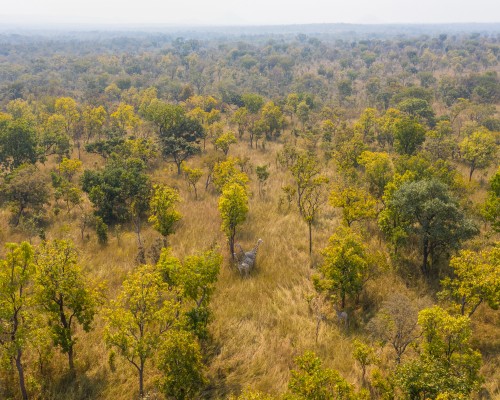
point(48, 302)
point(393, 170)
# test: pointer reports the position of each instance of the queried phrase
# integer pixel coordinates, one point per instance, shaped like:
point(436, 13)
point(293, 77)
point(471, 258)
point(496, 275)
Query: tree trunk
point(426, 256)
point(310, 238)
point(71, 358)
point(141, 380)
point(471, 172)
point(231, 245)
point(20, 371)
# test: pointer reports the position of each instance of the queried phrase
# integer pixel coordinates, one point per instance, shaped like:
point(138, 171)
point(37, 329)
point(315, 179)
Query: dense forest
point(239, 215)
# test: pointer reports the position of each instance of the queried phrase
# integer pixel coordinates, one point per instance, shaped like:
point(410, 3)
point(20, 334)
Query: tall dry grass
point(260, 324)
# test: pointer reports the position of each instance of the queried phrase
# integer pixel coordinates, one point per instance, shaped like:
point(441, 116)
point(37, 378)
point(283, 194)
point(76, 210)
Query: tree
point(345, 265)
point(180, 361)
point(396, 324)
point(138, 320)
point(304, 169)
point(226, 172)
point(418, 108)
point(313, 198)
point(310, 381)
point(447, 364)
point(240, 119)
point(303, 113)
point(16, 305)
point(193, 175)
point(378, 171)
point(233, 207)
point(491, 208)
point(18, 143)
point(364, 355)
point(408, 135)
point(118, 188)
point(124, 118)
point(253, 102)
point(25, 191)
point(65, 293)
point(439, 142)
point(53, 139)
point(366, 124)
point(93, 121)
point(164, 216)
point(195, 278)
point(356, 204)
point(179, 134)
point(224, 141)
point(476, 280)
point(427, 210)
point(262, 176)
point(68, 108)
point(62, 182)
point(478, 150)
point(273, 118)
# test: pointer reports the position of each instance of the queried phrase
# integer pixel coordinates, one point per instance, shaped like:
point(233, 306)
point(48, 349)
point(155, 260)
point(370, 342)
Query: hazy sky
point(247, 12)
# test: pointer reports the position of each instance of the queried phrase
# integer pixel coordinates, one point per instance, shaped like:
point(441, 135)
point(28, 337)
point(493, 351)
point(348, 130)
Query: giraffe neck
point(254, 250)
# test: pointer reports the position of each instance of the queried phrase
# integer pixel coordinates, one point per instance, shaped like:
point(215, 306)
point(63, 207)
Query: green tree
point(378, 171)
point(24, 190)
point(439, 142)
point(164, 216)
point(366, 124)
point(226, 172)
point(53, 139)
point(65, 293)
point(418, 108)
point(233, 207)
point(303, 111)
point(304, 170)
point(195, 278)
point(364, 355)
point(241, 120)
point(356, 203)
point(93, 121)
point(476, 280)
point(180, 361)
point(18, 143)
point(139, 319)
point(273, 118)
point(179, 134)
point(447, 365)
point(311, 381)
point(16, 305)
point(193, 176)
point(118, 188)
point(262, 176)
point(124, 118)
point(491, 208)
point(345, 265)
point(68, 108)
point(313, 198)
point(478, 150)
point(224, 141)
point(408, 135)
point(427, 210)
point(253, 102)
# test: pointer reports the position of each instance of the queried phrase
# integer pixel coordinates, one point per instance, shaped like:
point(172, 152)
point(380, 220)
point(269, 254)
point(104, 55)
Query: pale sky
point(247, 12)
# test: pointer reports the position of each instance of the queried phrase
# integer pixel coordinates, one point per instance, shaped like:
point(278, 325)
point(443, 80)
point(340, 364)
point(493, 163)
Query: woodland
point(245, 216)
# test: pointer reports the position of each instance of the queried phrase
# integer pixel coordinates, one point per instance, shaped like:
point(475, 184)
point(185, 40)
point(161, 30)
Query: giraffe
point(246, 260)
point(342, 317)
